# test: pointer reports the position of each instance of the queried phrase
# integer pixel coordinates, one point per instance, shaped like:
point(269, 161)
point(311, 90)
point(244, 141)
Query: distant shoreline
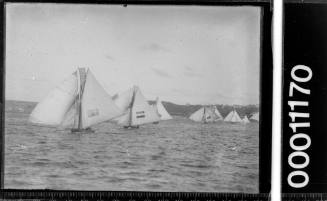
point(172, 108)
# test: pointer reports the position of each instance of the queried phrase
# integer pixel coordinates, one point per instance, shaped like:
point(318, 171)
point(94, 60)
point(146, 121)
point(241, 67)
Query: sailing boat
point(137, 109)
point(255, 116)
point(205, 114)
point(245, 120)
point(217, 113)
point(161, 110)
point(233, 117)
point(79, 102)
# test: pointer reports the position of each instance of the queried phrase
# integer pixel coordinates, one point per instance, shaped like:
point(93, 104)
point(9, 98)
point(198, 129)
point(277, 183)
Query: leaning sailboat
point(79, 102)
point(161, 110)
point(137, 110)
point(233, 117)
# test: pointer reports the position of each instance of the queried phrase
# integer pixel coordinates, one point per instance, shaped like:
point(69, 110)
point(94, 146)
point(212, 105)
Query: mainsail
point(97, 105)
point(255, 116)
point(233, 117)
point(217, 113)
point(53, 108)
point(245, 120)
point(79, 102)
point(198, 115)
point(163, 113)
point(124, 100)
point(137, 109)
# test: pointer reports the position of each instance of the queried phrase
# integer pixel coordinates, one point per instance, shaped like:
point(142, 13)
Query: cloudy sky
point(183, 54)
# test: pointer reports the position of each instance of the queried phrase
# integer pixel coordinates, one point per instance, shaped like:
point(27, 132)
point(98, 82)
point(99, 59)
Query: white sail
point(142, 112)
point(198, 115)
point(123, 100)
point(206, 114)
point(245, 120)
point(233, 117)
point(97, 105)
point(70, 117)
point(52, 110)
point(209, 114)
point(163, 113)
point(125, 118)
point(217, 113)
point(255, 116)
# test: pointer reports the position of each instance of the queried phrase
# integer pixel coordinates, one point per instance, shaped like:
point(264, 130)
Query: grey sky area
point(183, 54)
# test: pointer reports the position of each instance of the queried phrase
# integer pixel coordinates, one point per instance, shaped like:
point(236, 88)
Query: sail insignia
point(141, 111)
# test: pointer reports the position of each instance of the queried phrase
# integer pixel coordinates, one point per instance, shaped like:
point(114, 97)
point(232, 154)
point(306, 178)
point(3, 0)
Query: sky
point(182, 54)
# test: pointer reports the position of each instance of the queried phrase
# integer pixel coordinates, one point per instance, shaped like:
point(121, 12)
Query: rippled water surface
point(175, 155)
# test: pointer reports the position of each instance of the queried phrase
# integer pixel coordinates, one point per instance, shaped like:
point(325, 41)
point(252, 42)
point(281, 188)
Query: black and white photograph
point(132, 97)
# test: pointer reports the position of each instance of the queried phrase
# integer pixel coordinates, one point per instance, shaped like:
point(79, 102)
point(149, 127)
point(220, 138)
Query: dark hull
point(83, 130)
point(131, 127)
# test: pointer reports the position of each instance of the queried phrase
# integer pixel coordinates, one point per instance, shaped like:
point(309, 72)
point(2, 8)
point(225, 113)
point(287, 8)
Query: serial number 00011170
point(300, 75)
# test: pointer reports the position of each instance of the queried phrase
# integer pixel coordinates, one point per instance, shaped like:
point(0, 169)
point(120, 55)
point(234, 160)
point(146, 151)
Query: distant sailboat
point(255, 116)
point(245, 120)
point(233, 117)
point(137, 110)
point(216, 111)
point(161, 110)
point(78, 103)
point(205, 114)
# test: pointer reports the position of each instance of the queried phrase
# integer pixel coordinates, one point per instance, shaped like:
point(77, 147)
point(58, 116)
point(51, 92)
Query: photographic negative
point(132, 98)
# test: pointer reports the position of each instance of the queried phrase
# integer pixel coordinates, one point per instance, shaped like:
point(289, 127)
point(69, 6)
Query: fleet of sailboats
point(209, 114)
point(80, 102)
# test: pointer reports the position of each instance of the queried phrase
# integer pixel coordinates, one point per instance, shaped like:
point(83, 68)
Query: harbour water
point(174, 155)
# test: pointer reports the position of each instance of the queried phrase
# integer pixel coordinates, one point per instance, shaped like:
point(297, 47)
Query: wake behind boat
point(79, 102)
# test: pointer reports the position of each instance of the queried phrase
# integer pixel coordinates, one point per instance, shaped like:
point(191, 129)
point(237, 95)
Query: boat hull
point(83, 130)
point(131, 127)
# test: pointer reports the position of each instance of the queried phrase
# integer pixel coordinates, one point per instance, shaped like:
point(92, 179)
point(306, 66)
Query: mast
point(82, 79)
point(204, 114)
point(156, 105)
point(131, 107)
